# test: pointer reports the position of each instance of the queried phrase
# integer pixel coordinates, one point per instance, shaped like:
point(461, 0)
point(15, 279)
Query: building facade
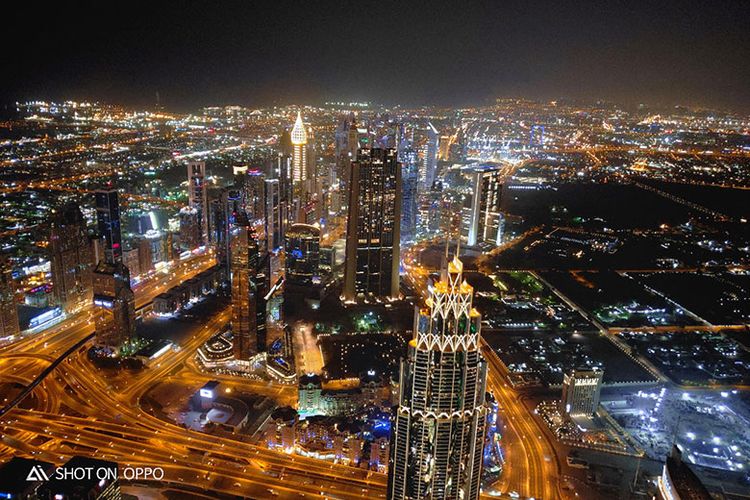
point(299, 150)
point(108, 224)
point(275, 214)
point(198, 194)
point(254, 195)
point(302, 255)
point(438, 434)
point(71, 259)
point(8, 312)
point(580, 393)
point(115, 302)
point(487, 222)
point(373, 226)
point(247, 331)
point(429, 157)
point(410, 179)
point(190, 228)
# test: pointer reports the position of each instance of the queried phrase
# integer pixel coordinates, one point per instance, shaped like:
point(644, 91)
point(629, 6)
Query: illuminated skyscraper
point(8, 312)
point(71, 259)
point(373, 227)
point(223, 210)
point(190, 228)
point(254, 194)
point(115, 301)
point(302, 255)
point(438, 434)
point(299, 150)
point(353, 138)
point(580, 393)
point(198, 194)
point(275, 214)
point(108, 224)
point(429, 160)
point(410, 177)
point(487, 221)
point(248, 332)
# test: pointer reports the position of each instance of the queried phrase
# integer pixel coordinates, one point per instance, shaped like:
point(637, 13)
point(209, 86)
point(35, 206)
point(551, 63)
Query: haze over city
point(415, 53)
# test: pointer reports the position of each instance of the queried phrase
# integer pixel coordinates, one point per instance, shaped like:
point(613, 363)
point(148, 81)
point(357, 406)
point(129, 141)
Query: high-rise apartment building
point(223, 210)
point(429, 157)
point(580, 393)
point(8, 312)
point(302, 255)
point(254, 194)
point(198, 194)
point(438, 434)
point(190, 228)
point(275, 214)
point(111, 279)
point(108, 224)
point(409, 181)
point(373, 226)
point(115, 301)
point(71, 259)
point(248, 306)
point(487, 221)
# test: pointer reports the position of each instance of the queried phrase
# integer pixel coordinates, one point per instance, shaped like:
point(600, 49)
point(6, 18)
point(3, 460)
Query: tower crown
point(299, 134)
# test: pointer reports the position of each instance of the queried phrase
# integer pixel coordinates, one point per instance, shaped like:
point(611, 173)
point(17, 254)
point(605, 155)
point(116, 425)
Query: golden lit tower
point(438, 431)
point(299, 150)
point(248, 305)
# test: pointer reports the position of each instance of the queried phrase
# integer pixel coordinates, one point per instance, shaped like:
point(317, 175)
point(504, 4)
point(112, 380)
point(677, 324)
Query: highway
point(40, 378)
point(531, 469)
point(80, 412)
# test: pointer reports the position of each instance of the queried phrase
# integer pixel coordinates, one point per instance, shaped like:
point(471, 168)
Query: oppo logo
point(38, 474)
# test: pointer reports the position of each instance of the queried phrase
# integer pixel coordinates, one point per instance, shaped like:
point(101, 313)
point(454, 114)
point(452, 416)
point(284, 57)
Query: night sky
point(446, 53)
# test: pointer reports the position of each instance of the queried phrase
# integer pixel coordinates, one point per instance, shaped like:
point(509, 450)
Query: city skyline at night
point(395, 251)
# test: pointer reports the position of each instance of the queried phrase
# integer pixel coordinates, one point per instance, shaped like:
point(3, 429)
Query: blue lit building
point(409, 180)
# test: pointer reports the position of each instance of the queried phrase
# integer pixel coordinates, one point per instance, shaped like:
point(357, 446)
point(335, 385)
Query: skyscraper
point(302, 255)
point(190, 228)
point(353, 138)
point(430, 153)
point(108, 224)
point(111, 279)
point(373, 226)
point(580, 393)
point(115, 301)
point(487, 220)
point(438, 435)
point(198, 194)
point(275, 214)
point(254, 194)
point(410, 177)
point(71, 259)
point(8, 312)
point(223, 211)
point(246, 295)
point(299, 150)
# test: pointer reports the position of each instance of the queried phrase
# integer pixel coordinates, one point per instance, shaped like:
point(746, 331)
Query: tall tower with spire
point(299, 150)
point(438, 434)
